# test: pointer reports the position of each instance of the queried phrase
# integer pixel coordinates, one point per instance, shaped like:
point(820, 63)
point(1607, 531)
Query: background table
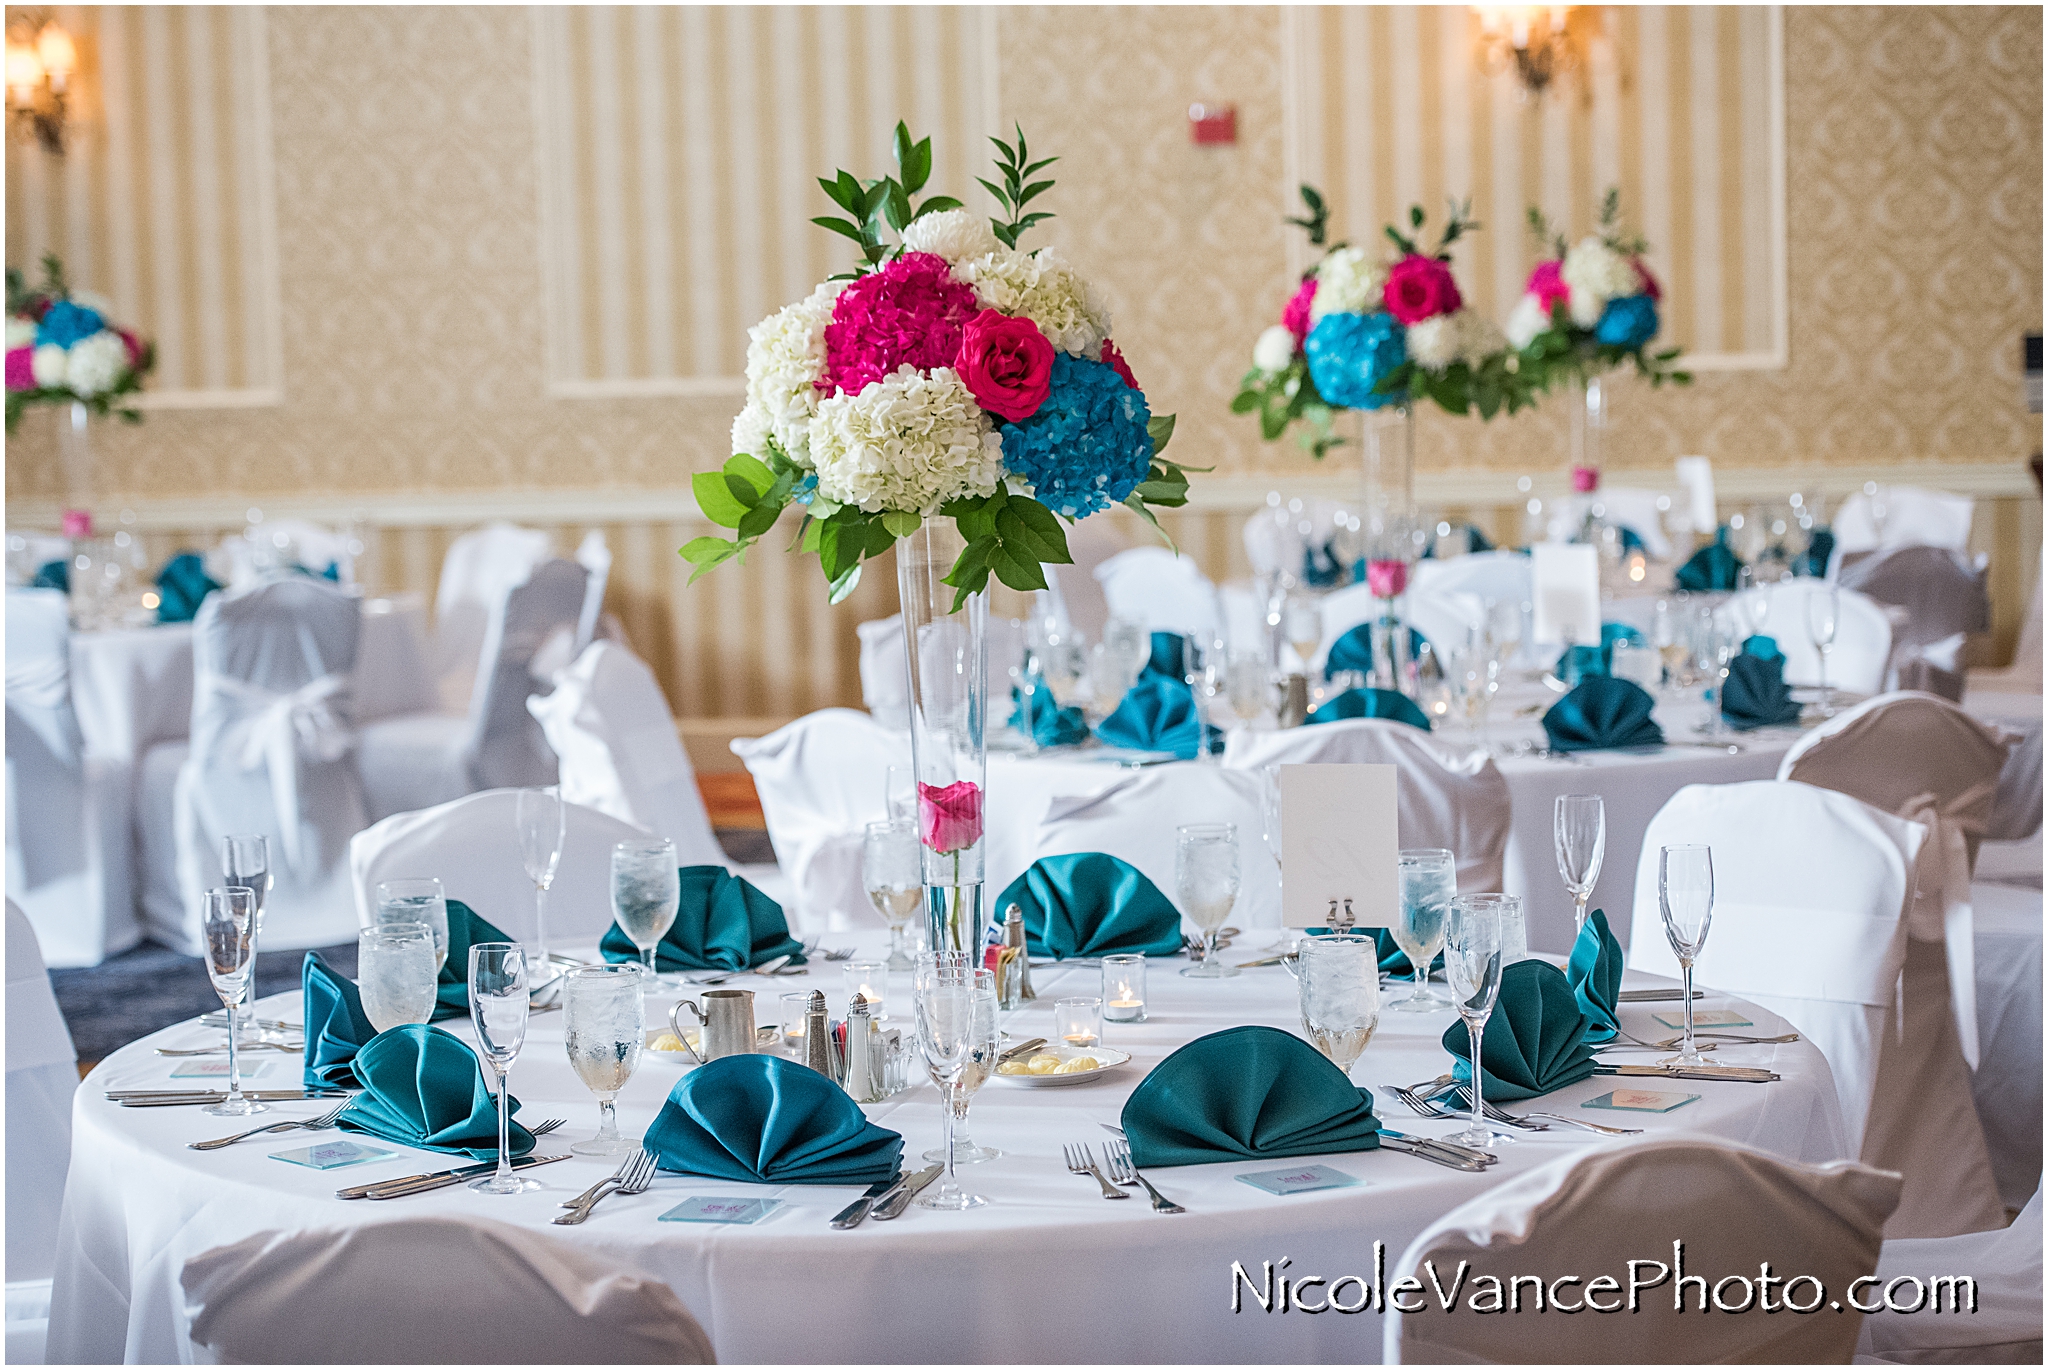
point(1047, 1272)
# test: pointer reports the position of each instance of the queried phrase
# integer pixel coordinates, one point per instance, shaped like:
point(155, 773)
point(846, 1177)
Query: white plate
point(763, 1040)
point(1109, 1057)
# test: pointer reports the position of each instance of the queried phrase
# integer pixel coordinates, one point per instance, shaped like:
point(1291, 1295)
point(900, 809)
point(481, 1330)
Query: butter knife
point(461, 1172)
point(906, 1190)
point(1655, 996)
point(1021, 1049)
point(1451, 1149)
point(1414, 1146)
point(855, 1213)
point(1752, 1074)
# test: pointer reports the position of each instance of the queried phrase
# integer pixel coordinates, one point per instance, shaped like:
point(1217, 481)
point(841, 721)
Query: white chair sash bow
point(1941, 905)
point(277, 728)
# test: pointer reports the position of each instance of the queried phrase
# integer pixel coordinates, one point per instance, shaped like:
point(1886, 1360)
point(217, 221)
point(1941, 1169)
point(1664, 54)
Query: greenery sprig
point(1016, 169)
point(871, 204)
point(1317, 224)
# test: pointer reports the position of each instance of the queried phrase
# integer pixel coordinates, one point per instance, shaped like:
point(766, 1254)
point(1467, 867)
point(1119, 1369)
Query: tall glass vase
point(1391, 533)
point(948, 654)
point(1587, 410)
point(74, 450)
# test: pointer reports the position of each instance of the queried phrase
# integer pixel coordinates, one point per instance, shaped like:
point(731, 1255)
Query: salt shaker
point(818, 1036)
point(863, 1081)
point(1014, 986)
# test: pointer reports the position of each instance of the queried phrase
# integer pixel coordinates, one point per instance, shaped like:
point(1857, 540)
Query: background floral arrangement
point(1590, 306)
point(61, 349)
point(952, 375)
point(1362, 332)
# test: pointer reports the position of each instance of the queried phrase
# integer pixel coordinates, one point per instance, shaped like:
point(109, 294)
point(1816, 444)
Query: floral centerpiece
point(64, 348)
point(956, 397)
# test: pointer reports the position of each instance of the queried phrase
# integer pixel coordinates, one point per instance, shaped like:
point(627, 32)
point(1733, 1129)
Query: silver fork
point(545, 1126)
point(1728, 1037)
point(1081, 1161)
point(222, 1049)
point(590, 1195)
point(325, 1120)
point(1416, 1103)
point(1501, 1115)
point(637, 1176)
point(1125, 1172)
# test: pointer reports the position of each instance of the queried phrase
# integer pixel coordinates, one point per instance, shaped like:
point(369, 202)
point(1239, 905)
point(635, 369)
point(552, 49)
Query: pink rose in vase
point(1006, 364)
point(949, 819)
point(1585, 479)
point(1421, 288)
point(1386, 577)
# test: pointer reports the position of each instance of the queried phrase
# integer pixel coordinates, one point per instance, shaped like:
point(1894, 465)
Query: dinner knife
point(420, 1184)
point(158, 1098)
point(1672, 995)
point(1020, 1049)
point(1454, 1149)
point(1752, 1074)
point(895, 1203)
point(1416, 1147)
point(855, 1213)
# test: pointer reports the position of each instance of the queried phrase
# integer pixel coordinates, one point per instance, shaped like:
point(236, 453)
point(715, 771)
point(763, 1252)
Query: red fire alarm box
point(1213, 123)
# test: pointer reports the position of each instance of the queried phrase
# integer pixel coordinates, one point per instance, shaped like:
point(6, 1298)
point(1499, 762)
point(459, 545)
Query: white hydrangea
point(1478, 339)
point(1433, 343)
point(1274, 351)
point(1349, 281)
point(94, 364)
point(48, 363)
point(1526, 320)
point(785, 358)
point(20, 332)
point(1596, 274)
point(1041, 287)
point(958, 235)
point(751, 431)
point(906, 443)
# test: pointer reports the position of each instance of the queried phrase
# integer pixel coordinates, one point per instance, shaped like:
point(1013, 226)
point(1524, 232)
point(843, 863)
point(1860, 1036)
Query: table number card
point(1640, 1101)
point(1339, 839)
point(706, 1209)
point(1703, 1018)
point(1567, 592)
point(218, 1070)
point(332, 1155)
point(1696, 474)
point(1299, 1180)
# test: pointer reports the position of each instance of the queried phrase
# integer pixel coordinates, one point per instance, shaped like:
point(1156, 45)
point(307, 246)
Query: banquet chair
point(1944, 596)
point(42, 1075)
point(1911, 515)
point(2006, 921)
point(1500, 576)
point(884, 671)
point(69, 838)
point(1735, 1208)
point(479, 570)
point(609, 722)
point(263, 549)
point(1163, 590)
point(270, 754)
point(2011, 851)
point(821, 780)
point(471, 845)
point(1863, 635)
point(594, 555)
point(430, 1291)
point(2004, 1326)
point(1813, 892)
point(1457, 802)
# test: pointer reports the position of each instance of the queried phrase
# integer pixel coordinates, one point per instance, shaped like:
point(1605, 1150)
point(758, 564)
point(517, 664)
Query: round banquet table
point(1048, 1271)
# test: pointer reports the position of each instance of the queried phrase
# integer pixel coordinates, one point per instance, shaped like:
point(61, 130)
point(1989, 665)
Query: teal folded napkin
point(1755, 694)
point(1757, 644)
point(1713, 567)
point(1051, 726)
point(1602, 711)
point(1594, 972)
point(1393, 960)
point(1156, 715)
point(1820, 547)
point(336, 1026)
point(1370, 703)
point(768, 1120)
point(1246, 1093)
point(1092, 904)
point(425, 1087)
point(1168, 654)
point(181, 587)
point(1353, 651)
point(1579, 662)
point(53, 575)
point(722, 923)
point(1534, 1042)
point(465, 930)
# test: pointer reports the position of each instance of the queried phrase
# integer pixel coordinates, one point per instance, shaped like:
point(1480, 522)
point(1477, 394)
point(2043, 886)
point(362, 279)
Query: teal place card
point(1713, 1018)
point(1640, 1101)
point(218, 1070)
point(332, 1155)
point(1300, 1179)
point(702, 1208)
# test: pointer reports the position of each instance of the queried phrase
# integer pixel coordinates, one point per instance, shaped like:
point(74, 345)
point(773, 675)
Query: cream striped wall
point(1681, 107)
point(679, 149)
point(164, 199)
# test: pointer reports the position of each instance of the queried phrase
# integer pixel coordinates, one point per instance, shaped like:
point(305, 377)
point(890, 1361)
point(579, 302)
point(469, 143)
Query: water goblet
point(1429, 881)
point(1340, 995)
point(1823, 616)
point(1205, 875)
point(645, 891)
point(416, 901)
point(892, 874)
point(499, 996)
point(542, 823)
point(228, 925)
point(395, 972)
point(1578, 831)
point(946, 1034)
point(985, 1047)
point(1685, 896)
point(1472, 964)
point(604, 1025)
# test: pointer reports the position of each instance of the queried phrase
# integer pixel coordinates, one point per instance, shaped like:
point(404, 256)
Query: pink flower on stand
point(1546, 283)
point(21, 372)
point(1114, 360)
point(949, 819)
point(1296, 315)
point(1585, 479)
point(1386, 577)
point(1421, 288)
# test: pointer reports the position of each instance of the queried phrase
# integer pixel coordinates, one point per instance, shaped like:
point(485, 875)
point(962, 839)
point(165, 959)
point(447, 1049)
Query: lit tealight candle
point(1123, 989)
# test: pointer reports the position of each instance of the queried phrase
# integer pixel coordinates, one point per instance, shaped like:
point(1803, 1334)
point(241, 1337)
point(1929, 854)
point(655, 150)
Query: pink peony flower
point(1386, 577)
point(1114, 360)
point(21, 371)
point(1650, 286)
point(1421, 288)
point(1585, 479)
point(1005, 363)
point(1295, 316)
point(77, 523)
point(949, 819)
point(911, 311)
point(1546, 283)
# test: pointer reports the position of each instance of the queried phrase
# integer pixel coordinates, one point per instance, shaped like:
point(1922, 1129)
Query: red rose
point(1114, 360)
point(1421, 288)
point(1006, 364)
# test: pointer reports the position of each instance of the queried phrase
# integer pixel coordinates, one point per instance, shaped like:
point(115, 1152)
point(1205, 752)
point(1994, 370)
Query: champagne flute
point(228, 923)
point(1202, 665)
point(498, 1000)
point(1823, 615)
point(946, 1036)
point(1685, 894)
point(1429, 881)
point(245, 864)
point(542, 821)
point(899, 793)
point(604, 1023)
point(1302, 618)
point(891, 873)
point(1205, 878)
point(396, 973)
point(1340, 995)
point(646, 889)
point(983, 1050)
point(1579, 834)
point(1472, 964)
point(416, 901)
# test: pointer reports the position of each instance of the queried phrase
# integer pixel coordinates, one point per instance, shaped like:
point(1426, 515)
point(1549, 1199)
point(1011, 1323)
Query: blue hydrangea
point(1086, 448)
point(65, 323)
point(1628, 322)
point(1349, 354)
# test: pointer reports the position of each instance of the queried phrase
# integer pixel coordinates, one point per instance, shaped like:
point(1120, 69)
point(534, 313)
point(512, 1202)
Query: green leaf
point(1034, 541)
point(878, 538)
point(842, 228)
point(1244, 402)
point(897, 207)
point(970, 564)
point(1005, 235)
point(1033, 191)
point(1014, 570)
point(977, 518)
point(1036, 167)
point(838, 191)
point(715, 498)
point(901, 524)
point(760, 519)
point(918, 168)
point(934, 205)
point(1029, 219)
point(752, 471)
point(700, 551)
point(1002, 196)
point(1160, 430)
point(1138, 506)
point(844, 583)
point(903, 145)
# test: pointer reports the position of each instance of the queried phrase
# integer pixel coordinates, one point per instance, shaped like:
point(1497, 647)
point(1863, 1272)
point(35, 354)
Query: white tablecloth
point(1047, 1272)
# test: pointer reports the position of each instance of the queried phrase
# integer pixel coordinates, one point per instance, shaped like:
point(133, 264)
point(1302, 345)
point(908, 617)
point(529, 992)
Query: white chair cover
point(426, 1291)
point(1455, 801)
point(1592, 1213)
point(594, 555)
point(2003, 1328)
point(472, 846)
point(42, 1075)
point(1243, 606)
point(479, 570)
point(1930, 518)
point(2011, 851)
point(1943, 593)
point(1863, 635)
point(1446, 618)
point(68, 836)
point(270, 754)
point(280, 544)
point(884, 671)
point(821, 781)
point(1165, 592)
point(1500, 576)
point(609, 723)
point(2007, 1082)
point(1620, 505)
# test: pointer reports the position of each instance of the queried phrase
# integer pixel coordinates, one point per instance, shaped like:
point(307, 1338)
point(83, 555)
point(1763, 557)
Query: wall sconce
point(41, 60)
point(1538, 42)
